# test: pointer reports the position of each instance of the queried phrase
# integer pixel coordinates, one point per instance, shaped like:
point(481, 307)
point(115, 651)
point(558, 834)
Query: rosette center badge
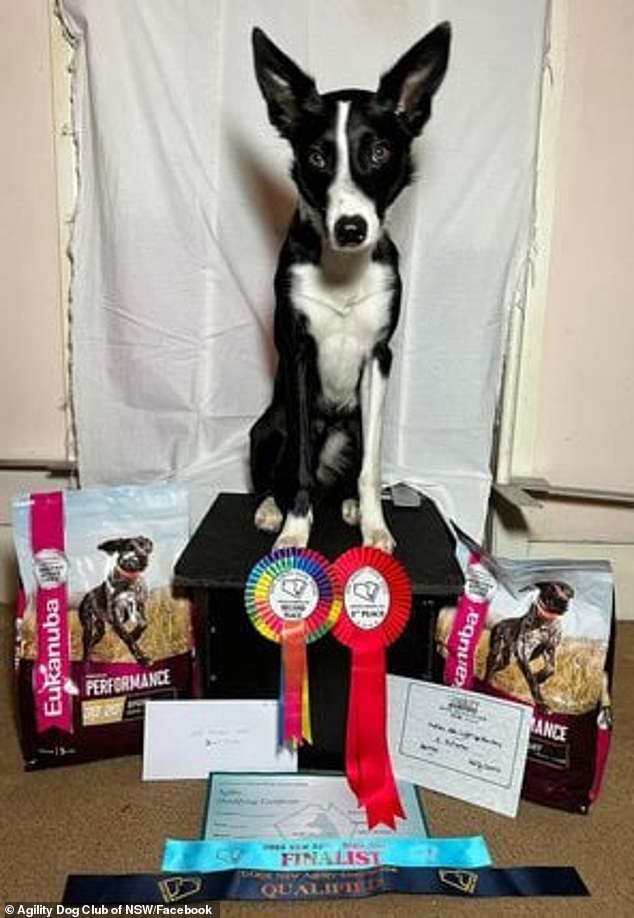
point(294, 596)
point(367, 598)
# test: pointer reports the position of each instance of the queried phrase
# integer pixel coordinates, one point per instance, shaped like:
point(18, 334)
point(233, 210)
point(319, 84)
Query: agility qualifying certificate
point(296, 806)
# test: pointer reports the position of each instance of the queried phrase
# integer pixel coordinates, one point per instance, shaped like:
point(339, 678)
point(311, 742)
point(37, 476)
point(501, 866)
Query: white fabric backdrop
point(184, 199)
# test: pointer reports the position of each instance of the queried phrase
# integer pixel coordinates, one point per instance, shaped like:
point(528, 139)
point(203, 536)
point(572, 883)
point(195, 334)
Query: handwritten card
point(190, 739)
point(459, 743)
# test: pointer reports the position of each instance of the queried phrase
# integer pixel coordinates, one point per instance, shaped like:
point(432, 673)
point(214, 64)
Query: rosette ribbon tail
point(307, 731)
point(295, 711)
point(368, 764)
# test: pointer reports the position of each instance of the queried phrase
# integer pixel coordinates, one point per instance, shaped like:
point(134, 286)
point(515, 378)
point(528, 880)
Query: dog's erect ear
point(145, 544)
point(113, 546)
point(286, 88)
point(409, 86)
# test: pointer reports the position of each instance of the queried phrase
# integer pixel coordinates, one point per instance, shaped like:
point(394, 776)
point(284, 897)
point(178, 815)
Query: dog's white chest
point(346, 317)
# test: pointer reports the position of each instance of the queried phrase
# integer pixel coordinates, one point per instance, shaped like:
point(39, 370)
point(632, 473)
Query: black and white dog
point(338, 288)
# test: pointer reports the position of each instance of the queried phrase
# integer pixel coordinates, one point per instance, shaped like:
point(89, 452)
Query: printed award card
point(459, 743)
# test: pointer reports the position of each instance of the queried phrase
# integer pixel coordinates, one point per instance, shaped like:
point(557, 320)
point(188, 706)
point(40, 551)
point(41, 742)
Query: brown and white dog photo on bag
point(535, 636)
point(120, 601)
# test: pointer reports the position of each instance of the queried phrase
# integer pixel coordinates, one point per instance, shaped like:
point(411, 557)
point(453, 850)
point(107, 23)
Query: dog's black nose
point(350, 230)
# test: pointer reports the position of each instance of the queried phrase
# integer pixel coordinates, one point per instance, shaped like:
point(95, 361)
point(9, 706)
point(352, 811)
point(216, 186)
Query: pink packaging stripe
point(51, 674)
point(47, 521)
point(462, 642)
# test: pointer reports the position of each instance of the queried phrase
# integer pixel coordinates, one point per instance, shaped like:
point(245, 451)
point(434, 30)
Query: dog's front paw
point(295, 533)
point(268, 517)
point(379, 537)
point(290, 541)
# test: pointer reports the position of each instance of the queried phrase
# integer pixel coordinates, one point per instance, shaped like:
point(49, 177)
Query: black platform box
point(237, 662)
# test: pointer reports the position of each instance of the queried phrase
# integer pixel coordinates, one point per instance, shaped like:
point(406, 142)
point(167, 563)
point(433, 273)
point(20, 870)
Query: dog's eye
point(380, 153)
point(317, 159)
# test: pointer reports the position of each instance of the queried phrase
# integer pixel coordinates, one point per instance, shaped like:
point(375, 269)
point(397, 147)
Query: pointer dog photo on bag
point(338, 288)
point(534, 636)
point(121, 599)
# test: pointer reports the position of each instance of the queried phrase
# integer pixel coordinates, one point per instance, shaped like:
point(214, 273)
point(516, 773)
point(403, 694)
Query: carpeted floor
point(101, 818)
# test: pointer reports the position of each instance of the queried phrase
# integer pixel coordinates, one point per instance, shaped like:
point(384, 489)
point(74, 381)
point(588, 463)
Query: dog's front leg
point(529, 676)
point(548, 669)
point(296, 530)
point(373, 389)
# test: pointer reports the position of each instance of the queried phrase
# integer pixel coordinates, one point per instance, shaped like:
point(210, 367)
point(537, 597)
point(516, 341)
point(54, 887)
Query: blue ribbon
point(324, 853)
point(189, 889)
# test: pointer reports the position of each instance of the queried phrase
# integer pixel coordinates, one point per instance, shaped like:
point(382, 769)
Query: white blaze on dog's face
point(351, 149)
point(351, 217)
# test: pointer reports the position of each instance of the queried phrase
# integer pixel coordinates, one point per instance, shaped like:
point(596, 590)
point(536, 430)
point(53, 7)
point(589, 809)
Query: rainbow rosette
point(377, 600)
point(292, 597)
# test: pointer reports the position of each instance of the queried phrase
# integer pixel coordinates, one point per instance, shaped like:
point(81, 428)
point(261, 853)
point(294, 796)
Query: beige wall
point(32, 377)
point(585, 431)
point(32, 385)
point(574, 420)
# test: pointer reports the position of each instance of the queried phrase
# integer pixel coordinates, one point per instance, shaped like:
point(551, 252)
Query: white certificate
point(459, 743)
point(189, 739)
point(297, 806)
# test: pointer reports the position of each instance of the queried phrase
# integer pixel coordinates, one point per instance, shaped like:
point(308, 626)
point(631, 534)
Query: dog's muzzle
point(350, 231)
point(549, 612)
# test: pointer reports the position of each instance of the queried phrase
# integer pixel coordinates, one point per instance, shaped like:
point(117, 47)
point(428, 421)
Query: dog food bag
point(99, 629)
point(540, 632)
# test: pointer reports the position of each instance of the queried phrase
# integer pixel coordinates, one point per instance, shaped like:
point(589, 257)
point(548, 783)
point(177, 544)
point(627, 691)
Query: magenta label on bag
point(468, 624)
point(51, 675)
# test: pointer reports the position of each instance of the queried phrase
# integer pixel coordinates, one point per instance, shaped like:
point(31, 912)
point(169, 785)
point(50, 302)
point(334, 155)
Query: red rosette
point(399, 600)
point(377, 600)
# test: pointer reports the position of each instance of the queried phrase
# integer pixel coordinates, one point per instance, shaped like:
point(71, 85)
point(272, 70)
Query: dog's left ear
point(285, 87)
point(408, 87)
point(113, 546)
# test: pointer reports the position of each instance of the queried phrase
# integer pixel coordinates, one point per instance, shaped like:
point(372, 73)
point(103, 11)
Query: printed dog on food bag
point(531, 636)
point(338, 287)
point(120, 600)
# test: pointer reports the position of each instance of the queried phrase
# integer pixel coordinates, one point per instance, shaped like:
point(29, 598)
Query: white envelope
point(459, 743)
point(190, 739)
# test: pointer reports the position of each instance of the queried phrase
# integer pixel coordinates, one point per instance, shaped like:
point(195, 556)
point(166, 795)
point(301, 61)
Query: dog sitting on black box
point(338, 288)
